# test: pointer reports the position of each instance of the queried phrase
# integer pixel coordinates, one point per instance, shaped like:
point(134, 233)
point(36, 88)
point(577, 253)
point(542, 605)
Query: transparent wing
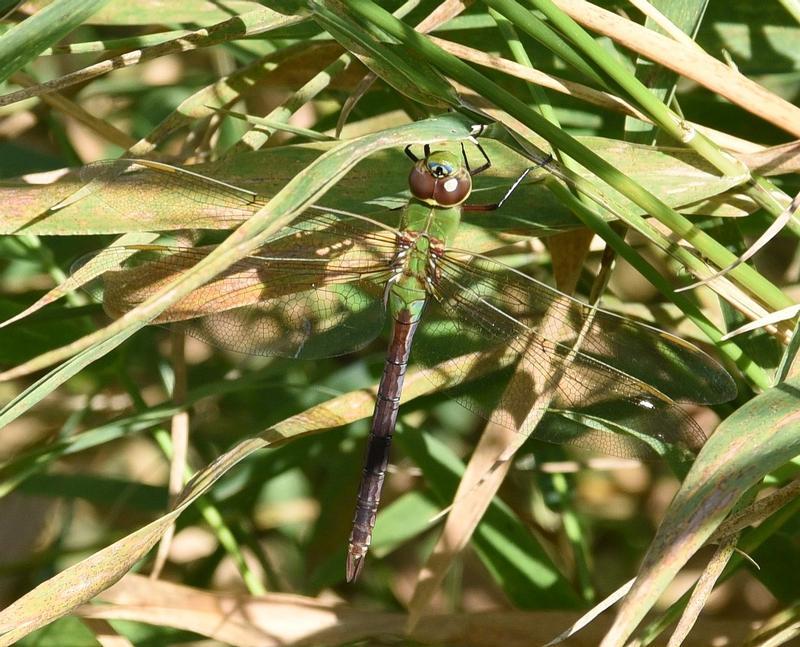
point(154, 190)
point(314, 290)
point(582, 362)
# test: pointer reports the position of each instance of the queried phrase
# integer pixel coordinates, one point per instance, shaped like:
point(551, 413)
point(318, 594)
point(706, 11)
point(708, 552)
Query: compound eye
point(421, 182)
point(453, 190)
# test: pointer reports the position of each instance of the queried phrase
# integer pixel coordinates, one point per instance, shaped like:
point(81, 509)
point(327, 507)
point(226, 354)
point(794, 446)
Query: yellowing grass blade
point(760, 437)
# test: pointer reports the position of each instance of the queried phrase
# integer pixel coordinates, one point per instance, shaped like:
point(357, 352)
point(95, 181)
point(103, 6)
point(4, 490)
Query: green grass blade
point(26, 40)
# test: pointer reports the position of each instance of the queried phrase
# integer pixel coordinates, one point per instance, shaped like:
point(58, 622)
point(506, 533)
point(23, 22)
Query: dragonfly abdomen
point(380, 438)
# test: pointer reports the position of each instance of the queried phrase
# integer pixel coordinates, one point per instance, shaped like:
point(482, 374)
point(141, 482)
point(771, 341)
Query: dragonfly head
point(440, 179)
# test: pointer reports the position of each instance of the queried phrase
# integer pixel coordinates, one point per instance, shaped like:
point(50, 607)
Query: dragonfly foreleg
point(409, 153)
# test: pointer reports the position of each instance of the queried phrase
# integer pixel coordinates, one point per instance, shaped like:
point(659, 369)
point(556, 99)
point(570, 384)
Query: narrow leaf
point(26, 40)
point(757, 439)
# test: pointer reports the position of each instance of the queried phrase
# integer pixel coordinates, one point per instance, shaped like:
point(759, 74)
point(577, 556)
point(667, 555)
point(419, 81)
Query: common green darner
point(324, 285)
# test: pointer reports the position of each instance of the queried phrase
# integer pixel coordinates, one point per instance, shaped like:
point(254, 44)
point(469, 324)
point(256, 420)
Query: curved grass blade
point(302, 191)
point(79, 583)
point(757, 439)
point(783, 219)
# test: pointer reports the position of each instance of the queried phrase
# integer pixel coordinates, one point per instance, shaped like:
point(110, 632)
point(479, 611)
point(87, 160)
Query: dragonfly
point(327, 284)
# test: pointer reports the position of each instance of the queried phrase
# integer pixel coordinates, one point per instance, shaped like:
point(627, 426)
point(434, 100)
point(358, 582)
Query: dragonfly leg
point(496, 205)
point(482, 167)
point(407, 150)
point(477, 130)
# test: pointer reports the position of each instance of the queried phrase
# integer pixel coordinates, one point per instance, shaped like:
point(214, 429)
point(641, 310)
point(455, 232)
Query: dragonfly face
point(440, 179)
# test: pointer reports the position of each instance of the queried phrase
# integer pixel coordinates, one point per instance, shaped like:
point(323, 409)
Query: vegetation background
point(92, 426)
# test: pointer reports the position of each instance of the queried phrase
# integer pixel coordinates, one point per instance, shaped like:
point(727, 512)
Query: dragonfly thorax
point(440, 179)
point(415, 271)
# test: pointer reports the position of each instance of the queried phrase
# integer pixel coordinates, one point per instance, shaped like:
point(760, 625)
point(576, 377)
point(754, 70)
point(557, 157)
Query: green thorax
point(424, 230)
point(439, 185)
point(437, 222)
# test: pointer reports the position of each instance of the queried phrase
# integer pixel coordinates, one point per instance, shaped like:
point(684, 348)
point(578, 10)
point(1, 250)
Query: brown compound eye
point(453, 190)
point(442, 191)
point(421, 182)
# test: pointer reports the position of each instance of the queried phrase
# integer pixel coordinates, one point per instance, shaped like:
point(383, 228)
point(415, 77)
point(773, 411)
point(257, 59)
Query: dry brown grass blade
point(591, 96)
point(688, 62)
point(563, 86)
point(587, 619)
point(767, 320)
point(663, 22)
point(105, 634)
point(482, 478)
point(606, 100)
point(447, 10)
point(352, 100)
point(241, 620)
point(568, 252)
point(491, 459)
point(282, 620)
point(757, 511)
point(702, 590)
point(773, 230)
